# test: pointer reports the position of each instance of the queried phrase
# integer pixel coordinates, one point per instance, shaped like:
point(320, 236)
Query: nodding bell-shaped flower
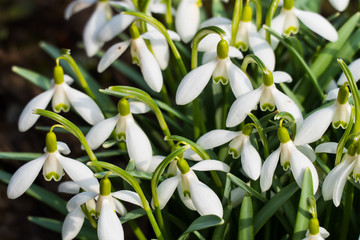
point(315, 232)
point(187, 19)
point(240, 145)
point(107, 205)
point(221, 69)
point(334, 182)
point(126, 129)
point(194, 194)
point(53, 165)
point(290, 157)
point(339, 5)
point(62, 96)
point(315, 125)
point(287, 23)
point(268, 96)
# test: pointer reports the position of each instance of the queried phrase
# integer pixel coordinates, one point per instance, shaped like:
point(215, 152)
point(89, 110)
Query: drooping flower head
point(187, 19)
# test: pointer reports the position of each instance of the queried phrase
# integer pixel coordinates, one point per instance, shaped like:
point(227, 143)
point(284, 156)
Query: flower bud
point(58, 75)
point(314, 226)
point(288, 4)
point(134, 32)
point(105, 187)
point(222, 49)
point(268, 79)
point(247, 129)
point(123, 107)
point(51, 144)
point(283, 135)
point(343, 94)
point(246, 14)
point(183, 166)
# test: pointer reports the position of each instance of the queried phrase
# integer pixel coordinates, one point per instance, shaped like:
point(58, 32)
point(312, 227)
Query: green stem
point(258, 13)
point(168, 16)
point(225, 105)
point(347, 211)
point(136, 230)
point(269, 16)
point(236, 20)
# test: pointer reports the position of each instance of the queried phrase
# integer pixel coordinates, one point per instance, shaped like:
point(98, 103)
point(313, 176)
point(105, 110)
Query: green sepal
point(283, 135)
point(246, 14)
point(343, 95)
point(123, 107)
point(288, 4)
point(222, 49)
point(314, 226)
point(51, 144)
point(58, 75)
point(105, 187)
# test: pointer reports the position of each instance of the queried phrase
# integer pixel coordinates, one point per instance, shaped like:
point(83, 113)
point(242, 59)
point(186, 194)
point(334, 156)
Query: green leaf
point(19, 156)
point(34, 77)
point(40, 194)
point(273, 205)
point(104, 154)
point(303, 214)
point(240, 183)
point(202, 222)
point(137, 213)
point(246, 221)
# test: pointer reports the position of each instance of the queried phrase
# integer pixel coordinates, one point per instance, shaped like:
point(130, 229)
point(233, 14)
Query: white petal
point(340, 182)
point(323, 232)
point(314, 126)
point(211, 165)
point(128, 196)
point(243, 106)
point(239, 82)
point(72, 224)
point(24, 177)
point(209, 56)
point(138, 145)
point(307, 151)
point(235, 53)
point(101, 131)
point(299, 162)
point(112, 54)
point(280, 76)
point(215, 21)
point(149, 66)
point(109, 225)
point(192, 155)
point(84, 105)
point(155, 162)
point(277, 24)
point(187, 19)
point(317, 24)
point(77, 6)
point(209, 42)
point(250, 160)
point(332, 94)
point(79, 173)
point(161, 51)
point(166, 189)
point(138, 107)
point(285, 104)
point(119, 207)
point(328, 147)
point(92, 27)
point(204, 199)
point(332, 178)
point(62, 148)
point(268, 169)
point(194, 82)
point(69, 187)
point(159, 8)
point(27, 119)
point(354, 68)
point(79, 199)
point(116, 25)
point(261, 48)
point(236, 196)
point(216, 138)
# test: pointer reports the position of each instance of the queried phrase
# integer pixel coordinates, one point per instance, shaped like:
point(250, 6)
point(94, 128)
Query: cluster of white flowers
point(150, 51)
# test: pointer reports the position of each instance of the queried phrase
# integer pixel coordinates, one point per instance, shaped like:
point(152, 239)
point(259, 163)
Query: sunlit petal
point(239, 82)
point(116, 25)
point(280, 76)
point(307, 150)
point(128, 196)
point(109, 225)
point(211, 165)
point(268, 169)
point(250, 160)
point(79, 199)
point(166, 189)
point(187, 19)
point(328, 147)
point(101, 131)
point(69, 187)
point(112, 54)
point(77, 6)
point(216, 138)
point(72, 224)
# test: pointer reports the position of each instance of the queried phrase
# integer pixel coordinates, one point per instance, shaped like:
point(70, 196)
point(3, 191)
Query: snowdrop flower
point(221, 69)
point(240, 144)
point(290, 157)
point(316, 232)
point(268, 96)
point(187, 19)
point(340, 5)
point(109, 225)
point(334, 182)
point(315, 125)
point(137, 143)
point(287, 22)
point(62, 96)
point(53, 165)
point(195, 195)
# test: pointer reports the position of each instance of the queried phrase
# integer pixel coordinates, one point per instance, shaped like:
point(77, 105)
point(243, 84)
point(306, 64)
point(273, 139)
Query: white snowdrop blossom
point(316, 232)
point(194, 194)
point(62, 96)
point(187, 19)
point(149, 64)
point(268, 96)
point(107, 205)
point(240, 145)
point(315, 125)
point(290, 157)
point(137, 143)
point(221, 69)
point(339, 5)
point(53, 165)
point(287, 23)
point(335, 181)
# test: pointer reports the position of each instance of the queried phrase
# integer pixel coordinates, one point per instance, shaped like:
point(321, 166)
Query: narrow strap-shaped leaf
point(303, 214)
point(202, 222)
point(34, 77)
point(261, 133)
point(269, 15)
point(240, 183)
point(132, 215)
point(246, 221)
point(19, 156)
